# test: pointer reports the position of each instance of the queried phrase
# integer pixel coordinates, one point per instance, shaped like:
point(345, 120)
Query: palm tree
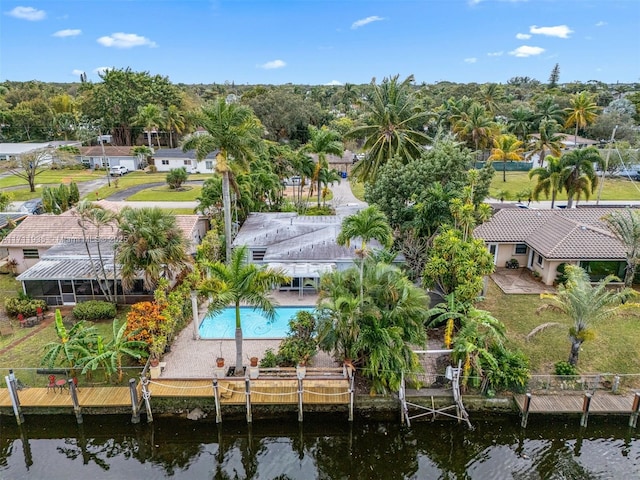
point(521, 122)
point(173, 121)
point(322, 142)
point(475, 126)
point(548, 139)
point(240, 282)
point(506, 148)
point(491, 94)
point(150, 117)
point(95, 217)
point(550, 179)
point(625, 225)
point(579, 172)
point(367, 224)
point(548, 110)
point(393, 127)
point(586, 304)
point(152, 244)
point(234, 132)
point(582, 112)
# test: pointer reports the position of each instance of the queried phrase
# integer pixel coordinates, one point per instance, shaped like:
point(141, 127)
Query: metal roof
point(65, 269)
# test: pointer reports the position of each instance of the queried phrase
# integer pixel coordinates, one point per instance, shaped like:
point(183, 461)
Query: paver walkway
point(519, 280)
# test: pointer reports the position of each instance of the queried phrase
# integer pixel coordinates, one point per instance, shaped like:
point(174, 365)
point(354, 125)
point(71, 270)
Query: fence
point(583, 383)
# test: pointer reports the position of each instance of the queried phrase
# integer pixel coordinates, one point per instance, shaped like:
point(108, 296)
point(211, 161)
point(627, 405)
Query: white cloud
point(601, 24)
point(67, 33)
point(334, 82)
point(470, 60)
point(526, 51)
point(273, 64)
point(75, 72)
point(523, 36)
point(27, 13)
point(560, 31)
point(364, 21)
point(495, 54)
point(100, 70)
point(125, 40)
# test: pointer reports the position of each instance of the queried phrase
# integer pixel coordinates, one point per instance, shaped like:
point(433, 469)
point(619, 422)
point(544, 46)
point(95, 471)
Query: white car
point(118, 170)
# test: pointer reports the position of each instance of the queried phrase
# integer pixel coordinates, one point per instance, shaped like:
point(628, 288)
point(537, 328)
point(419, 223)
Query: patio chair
point(52, 383)
point(22, 320)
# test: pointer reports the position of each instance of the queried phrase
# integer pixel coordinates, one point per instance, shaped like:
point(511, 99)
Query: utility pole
point(606, 164)
point(103, 156)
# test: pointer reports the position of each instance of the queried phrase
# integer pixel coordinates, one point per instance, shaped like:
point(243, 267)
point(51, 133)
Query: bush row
point(94, 310)
point(23, 305)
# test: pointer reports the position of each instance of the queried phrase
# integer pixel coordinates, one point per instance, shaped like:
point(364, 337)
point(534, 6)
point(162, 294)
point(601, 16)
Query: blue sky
point(322, 41)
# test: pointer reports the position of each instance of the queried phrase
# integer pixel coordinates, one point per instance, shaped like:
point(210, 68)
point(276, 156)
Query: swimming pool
point(254, 324)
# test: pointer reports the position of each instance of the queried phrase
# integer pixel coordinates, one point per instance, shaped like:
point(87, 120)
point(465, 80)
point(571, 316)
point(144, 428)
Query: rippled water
point(326, 447)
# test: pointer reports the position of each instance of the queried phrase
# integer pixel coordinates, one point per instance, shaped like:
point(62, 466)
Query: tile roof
point(555, 234)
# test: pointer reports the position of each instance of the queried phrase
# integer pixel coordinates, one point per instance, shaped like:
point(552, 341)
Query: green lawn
point(357, 189)
point(165, 194)
point(613, 189)
point(133, 179)
point(53, 177)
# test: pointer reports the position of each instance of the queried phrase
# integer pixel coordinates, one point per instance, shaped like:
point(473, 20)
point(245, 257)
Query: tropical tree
point(173, 122)
point(239, 282)
point(92, 219)
point(585, 304)
point(506, 148)
point(176, 177)
point(152, 244)
point(520, 122)
point(111, 354)
point(579, 172)
point(491, 94)
point(322, 142)
point(546, 109)
point(150, 117)
point(393, 127)
point(234, 133)
point(475, 127)
point(625, 225)
point(29, 165)
point(548, 139)
point(550, 179)
point(367, 224)
point(71, 346)
point(582, 112)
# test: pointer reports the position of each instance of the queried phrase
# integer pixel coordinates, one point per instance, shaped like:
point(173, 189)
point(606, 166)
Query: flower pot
point(220, 362)
point(254, 361)
point(154, 362)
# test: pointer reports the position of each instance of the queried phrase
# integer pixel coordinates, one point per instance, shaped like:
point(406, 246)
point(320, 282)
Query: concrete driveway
point(519, 280)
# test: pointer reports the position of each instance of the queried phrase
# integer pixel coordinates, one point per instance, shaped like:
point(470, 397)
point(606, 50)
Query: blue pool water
point(254, 324)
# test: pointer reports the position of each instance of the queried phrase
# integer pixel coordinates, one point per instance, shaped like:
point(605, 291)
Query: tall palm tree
point(234, 132)
point(506, 148)
point(625, 225)
point(550, 179)
point(150, 117)
point(491, 94)
point(152, 244)
point(367, 224)
point(173, 122)
point(548, 110)
point(520, 122)
point(475, 126)
point(93, 219)
point(582, 112)
point(393, 127)
point(547, 140)
point(586, 304)
point(579, 172)
point(322, 142)
point(240, 282)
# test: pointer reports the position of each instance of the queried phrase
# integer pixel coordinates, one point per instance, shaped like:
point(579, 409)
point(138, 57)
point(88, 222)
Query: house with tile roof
point(50, 254)
point(541, 240)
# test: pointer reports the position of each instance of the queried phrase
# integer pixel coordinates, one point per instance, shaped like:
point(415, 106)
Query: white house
point(167, 159)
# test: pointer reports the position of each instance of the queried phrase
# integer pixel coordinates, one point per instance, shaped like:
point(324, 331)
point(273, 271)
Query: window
point(540, 260)
point(165, 162)
point(493, 248)
point(209, 164)
point(30, 253)
point(187, 162)
point(521, 249)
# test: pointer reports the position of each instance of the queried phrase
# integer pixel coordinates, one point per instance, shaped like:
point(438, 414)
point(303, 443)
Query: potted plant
point(219, 362)
point(253, 361)
point(513, 263)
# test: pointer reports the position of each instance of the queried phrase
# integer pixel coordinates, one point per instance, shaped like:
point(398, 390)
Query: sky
point(322, 42)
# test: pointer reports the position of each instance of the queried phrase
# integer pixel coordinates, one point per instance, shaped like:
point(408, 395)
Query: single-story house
point(13, 151)
point(95, 157)
point(541, 240)
point(166, 159)
point(304, 247)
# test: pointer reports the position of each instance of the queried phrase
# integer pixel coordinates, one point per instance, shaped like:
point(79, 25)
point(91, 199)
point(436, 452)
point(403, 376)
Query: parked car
point(118, 170)
point(32, 207)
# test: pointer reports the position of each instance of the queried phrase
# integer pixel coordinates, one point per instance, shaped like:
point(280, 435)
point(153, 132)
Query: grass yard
point(136, 178)
point(165, 194)
point(357, 189)
point(614, 349)
point(53, 177)
point(613, 189)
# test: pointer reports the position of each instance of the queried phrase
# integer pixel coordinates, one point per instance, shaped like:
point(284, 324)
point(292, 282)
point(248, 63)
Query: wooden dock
point(602, 402)
point(87, 397)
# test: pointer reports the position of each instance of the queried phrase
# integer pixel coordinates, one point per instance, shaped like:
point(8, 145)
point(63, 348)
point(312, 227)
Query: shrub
point(565, 369)
point(24, 305)
point(144, 322)
point(561, 275)
point(152, 169)
point(176, 177)
point(269, 360)
point(94, 310)
point(301, 344)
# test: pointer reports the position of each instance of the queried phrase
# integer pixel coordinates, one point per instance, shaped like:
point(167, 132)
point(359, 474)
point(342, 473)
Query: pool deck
point(191, 358)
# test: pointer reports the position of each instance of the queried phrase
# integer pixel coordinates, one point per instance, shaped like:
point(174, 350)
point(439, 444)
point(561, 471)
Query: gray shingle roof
point(556, 234)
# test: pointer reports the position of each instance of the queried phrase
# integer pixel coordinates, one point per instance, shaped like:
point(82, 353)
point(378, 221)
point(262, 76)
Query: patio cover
point(304, 270)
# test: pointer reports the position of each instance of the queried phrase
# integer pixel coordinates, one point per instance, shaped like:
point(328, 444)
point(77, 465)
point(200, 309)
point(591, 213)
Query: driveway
point(519, 280)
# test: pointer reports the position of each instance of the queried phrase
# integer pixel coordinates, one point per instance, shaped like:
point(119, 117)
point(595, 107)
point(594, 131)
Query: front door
point(68, 294)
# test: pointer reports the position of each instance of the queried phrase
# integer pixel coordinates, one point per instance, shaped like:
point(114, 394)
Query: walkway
point(519, 280)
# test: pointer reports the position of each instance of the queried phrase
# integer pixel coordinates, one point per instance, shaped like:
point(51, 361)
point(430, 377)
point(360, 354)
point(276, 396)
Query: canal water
point(322, 447)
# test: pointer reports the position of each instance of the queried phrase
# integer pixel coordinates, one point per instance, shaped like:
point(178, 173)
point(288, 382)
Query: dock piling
point(247, 387)
point(633, 421)
point(525, 410)
point(216, 396)
point(300, 393)
point(146, 395)
point(13, 393)
point(74, 399)
point(586, 403)
point(135, 407)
